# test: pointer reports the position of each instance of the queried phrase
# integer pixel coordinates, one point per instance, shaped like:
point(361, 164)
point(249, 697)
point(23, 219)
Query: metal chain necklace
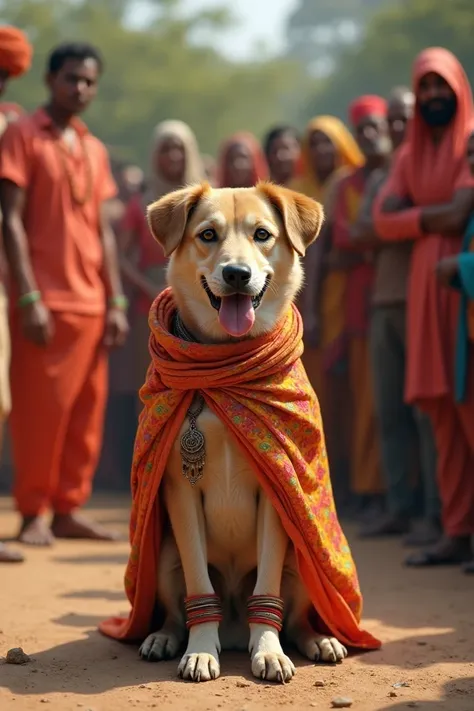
point(193, 443)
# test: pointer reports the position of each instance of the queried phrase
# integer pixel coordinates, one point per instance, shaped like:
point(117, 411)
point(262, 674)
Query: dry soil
point(51, 605)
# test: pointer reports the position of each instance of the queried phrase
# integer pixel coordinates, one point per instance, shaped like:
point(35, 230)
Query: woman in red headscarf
point(428, 197)
point(241, 162)
point(368, 116)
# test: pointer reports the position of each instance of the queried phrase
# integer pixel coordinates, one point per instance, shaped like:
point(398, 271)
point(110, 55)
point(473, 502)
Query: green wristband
point(119, 302)
point(32, 297)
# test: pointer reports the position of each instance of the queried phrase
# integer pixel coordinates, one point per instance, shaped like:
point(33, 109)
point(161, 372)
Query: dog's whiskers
point(273, 287)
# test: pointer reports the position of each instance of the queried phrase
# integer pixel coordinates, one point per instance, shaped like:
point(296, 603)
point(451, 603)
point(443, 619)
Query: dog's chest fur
point(229, 490)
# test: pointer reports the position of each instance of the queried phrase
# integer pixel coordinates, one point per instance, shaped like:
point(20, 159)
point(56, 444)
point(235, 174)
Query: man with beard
point(15, 59)
point(429, 197)
point(368, 116)
point(68, 305)
point(404, 430)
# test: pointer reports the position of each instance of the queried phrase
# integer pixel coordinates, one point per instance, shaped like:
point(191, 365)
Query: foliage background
point(336, 50)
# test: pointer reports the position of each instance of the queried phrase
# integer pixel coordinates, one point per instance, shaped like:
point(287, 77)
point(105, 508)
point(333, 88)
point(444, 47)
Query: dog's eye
point(261, 235)
point(208, 235)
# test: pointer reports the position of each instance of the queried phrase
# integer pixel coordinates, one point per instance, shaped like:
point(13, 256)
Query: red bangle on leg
point(201, 609)
point(265, 610)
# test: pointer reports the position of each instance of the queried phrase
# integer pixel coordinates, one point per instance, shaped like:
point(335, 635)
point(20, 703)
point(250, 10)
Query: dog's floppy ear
point(302, 217)
point(168, 217)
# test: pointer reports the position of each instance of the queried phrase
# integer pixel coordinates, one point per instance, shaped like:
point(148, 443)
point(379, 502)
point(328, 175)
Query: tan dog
point(234, 269)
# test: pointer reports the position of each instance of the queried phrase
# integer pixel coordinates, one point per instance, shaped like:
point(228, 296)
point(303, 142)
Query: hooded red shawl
point(259, 161)
point(429, 174)
point(259, 389)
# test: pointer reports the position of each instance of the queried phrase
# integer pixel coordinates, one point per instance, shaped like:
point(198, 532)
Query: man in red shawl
point(428, 198)
point(15, 60)
point(368, 116)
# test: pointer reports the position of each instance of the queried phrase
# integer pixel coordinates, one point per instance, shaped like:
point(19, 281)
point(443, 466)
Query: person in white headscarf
point(175, 161)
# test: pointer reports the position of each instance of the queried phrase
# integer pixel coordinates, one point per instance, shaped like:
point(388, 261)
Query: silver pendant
point(193, 444)
point(193, 450)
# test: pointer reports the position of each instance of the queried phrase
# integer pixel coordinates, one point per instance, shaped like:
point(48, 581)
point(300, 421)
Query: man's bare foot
point(35, 531)
point(449, 551)
point(386, 526)
point(73, 525)
point(7, 555)
point(426, 532)
point(371, 508)
point(469, 568)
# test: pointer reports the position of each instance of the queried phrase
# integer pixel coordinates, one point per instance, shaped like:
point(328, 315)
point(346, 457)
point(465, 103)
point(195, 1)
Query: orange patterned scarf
point(259, 389)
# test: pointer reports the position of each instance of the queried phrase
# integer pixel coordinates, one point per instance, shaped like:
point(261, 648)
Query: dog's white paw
point(273, 667)
point(319, 648)
point(160, 646)
point(268, 660)
point(201, 659)
point(199, 667)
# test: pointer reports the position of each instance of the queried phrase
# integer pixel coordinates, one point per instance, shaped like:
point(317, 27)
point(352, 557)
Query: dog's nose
point(237, 275)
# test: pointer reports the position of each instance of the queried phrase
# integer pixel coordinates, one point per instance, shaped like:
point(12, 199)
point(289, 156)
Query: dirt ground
point(51, 605)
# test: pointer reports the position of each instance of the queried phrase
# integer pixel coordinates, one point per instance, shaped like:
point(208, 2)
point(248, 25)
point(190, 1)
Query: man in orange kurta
point(66, 297)
point(369, 119)
point(429, 197)
point(15, 59)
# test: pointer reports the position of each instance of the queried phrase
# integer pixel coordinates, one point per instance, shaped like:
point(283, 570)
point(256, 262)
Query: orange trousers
point(453, 427)
point(366, 469)
point(59, 395)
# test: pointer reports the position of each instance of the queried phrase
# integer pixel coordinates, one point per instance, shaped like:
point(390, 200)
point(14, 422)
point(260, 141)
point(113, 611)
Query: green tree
point(319, 31)
point(394, 37)
point(154, 72)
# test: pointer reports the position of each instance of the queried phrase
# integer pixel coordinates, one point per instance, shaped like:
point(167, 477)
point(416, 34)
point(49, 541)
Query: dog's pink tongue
point(236, 314)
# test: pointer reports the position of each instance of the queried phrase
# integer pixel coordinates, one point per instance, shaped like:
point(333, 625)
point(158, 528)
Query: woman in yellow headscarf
point(329, 152)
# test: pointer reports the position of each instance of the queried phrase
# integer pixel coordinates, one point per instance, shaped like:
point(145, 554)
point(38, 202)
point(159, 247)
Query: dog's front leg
point(268, 660)
point(201, 659)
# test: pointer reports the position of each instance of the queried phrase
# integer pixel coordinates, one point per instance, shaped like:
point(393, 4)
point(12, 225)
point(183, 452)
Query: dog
point(234, 269)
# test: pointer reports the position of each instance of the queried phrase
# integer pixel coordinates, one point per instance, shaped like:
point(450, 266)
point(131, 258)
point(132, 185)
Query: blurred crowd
point(387, 304)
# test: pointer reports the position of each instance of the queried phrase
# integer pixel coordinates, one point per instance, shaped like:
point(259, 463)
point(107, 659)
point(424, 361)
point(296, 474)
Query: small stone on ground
point(17, 656)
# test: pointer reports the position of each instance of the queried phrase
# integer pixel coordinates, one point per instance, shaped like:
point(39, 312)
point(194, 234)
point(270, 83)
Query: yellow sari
point(349, 157)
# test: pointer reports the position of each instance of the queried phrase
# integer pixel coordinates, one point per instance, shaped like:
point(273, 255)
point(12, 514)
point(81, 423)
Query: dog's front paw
point(160, 646)
point(199, 667)
point(201, 659)
point(318, 648)
point(268, 660)
point(273, 667)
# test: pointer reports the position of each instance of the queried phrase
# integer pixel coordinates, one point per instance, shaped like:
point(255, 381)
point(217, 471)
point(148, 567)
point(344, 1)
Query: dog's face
point(234, 255)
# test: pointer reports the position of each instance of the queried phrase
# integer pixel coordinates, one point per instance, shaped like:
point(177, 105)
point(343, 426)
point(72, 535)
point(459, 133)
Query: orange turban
point(15, 51)
point(368, 105)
